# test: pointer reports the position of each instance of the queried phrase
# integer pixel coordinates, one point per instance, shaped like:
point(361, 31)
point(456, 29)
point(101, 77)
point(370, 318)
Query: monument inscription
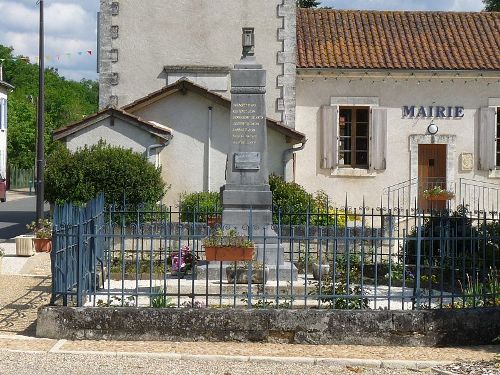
point(245, 123)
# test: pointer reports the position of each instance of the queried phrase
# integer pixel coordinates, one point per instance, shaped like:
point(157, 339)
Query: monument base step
point(212, 270)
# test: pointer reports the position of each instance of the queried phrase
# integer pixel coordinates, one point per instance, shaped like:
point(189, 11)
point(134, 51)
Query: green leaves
point(120, 173)
point(65, 102)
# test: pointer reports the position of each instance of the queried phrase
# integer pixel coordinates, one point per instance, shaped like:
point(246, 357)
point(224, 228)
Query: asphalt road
point(14, 215)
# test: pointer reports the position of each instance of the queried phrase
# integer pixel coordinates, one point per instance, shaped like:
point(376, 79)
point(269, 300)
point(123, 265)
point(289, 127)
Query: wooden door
point(431, 172)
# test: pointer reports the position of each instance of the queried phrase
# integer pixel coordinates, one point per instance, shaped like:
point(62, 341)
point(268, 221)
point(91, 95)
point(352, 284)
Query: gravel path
point(20, 298)
point(36, 363)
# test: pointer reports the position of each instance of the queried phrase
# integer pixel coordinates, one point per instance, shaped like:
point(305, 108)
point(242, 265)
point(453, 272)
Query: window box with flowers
point(437, 193)
point(228, 246)
point(43, 235)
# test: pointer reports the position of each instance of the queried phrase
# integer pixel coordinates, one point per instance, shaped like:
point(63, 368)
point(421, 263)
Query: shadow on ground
point(19, 302)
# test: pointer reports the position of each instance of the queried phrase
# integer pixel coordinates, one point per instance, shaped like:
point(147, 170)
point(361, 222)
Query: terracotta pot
point(42, 245)
point(224, 254)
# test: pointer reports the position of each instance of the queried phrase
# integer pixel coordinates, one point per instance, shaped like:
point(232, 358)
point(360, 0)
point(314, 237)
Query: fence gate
point(77, 250)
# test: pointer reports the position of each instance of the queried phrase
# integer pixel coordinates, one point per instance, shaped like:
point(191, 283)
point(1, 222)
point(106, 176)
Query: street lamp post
point(41, 124)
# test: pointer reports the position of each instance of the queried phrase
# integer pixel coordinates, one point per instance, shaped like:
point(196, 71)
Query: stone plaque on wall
point(247, 160)
point(466, 161)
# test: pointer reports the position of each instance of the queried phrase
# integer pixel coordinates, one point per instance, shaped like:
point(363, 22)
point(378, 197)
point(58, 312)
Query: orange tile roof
point(346, 39)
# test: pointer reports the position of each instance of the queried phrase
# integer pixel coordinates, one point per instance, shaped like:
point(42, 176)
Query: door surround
point(415, 140)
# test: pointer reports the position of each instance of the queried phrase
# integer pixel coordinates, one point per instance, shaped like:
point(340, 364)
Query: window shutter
point(5, 114)
point(378, 139)
point(487, 135)
point(329, 141)
point(3, 117)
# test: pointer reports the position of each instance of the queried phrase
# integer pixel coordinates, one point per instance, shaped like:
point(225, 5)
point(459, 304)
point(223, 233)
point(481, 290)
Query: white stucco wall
point(184, 161)
point(3, 141)
point(121, 134)
point(312, 93)
point(203, 32)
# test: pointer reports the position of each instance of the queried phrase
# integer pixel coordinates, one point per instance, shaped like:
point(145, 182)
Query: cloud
point(70, 27)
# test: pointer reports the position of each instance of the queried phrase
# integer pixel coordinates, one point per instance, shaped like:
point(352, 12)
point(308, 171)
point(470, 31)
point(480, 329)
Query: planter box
point(228, 254)
point(259, 276)
point(440, 197)
point(25, 246)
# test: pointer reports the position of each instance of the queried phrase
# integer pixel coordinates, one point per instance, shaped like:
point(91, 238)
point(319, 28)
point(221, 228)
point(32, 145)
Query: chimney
point(1, 72)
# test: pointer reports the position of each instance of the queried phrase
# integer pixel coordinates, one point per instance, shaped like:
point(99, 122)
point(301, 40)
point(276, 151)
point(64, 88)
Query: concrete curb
point(442, 372)
point(372, 363)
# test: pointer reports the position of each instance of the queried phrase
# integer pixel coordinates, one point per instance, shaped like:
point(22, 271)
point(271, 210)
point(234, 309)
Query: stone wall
point(408, 328)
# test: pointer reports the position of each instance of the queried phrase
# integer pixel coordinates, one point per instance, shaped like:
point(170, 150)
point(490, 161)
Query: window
point(353, 137)
point(497, 137)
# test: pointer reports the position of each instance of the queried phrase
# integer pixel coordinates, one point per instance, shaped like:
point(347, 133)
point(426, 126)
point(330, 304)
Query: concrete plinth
point(282, 272)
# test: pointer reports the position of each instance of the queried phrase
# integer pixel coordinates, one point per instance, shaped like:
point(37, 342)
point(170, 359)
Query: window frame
point(353, 137)
point(497, 138)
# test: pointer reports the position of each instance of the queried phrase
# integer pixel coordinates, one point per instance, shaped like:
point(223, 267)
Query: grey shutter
point(5, 114)
point(378, 139)
point(329, 141)
point(487, 135)
point(3, 117)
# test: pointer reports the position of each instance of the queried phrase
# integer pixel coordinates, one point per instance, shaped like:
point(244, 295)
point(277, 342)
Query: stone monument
point(246, 197)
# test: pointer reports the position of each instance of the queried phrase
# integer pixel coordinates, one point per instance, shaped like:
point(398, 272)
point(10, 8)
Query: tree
point(119, 173)
point(492, 5)
point(307, 3)
point(65, 102)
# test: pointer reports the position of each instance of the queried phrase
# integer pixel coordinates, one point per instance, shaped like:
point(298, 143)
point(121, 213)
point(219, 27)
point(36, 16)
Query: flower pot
point(42, 245)
point(325, 268)
point(226, 254)
point(240, 275)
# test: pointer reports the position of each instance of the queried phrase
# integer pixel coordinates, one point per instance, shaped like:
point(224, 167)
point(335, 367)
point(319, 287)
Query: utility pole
point(40, 159)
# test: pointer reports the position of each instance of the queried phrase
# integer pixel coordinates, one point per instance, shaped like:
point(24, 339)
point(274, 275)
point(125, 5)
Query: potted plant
point(43, 235)
point(437, 193)
point(227, 246)
point(238, 273)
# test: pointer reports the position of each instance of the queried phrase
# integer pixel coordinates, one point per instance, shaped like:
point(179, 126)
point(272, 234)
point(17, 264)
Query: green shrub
point(291, 199)
point(119, 173)
point(293, 204)
point(199, 206)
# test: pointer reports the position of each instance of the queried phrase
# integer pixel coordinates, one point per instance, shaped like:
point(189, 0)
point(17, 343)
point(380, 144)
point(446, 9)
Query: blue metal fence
point(344, 258)
point(77, 258)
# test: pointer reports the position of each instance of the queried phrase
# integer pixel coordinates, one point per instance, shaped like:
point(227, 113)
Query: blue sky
point(71, 27)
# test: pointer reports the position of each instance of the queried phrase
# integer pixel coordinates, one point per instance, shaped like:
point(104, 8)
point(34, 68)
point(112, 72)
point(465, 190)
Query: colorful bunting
point(67, 55)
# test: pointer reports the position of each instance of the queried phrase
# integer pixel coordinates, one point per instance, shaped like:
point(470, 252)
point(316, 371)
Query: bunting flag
point(59, 57)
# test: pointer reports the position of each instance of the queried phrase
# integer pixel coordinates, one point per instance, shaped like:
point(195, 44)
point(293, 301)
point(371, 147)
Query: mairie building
point(376, 105)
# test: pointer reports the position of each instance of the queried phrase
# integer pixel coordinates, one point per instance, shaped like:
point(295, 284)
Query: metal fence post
point(419, 256)
point(79, 268)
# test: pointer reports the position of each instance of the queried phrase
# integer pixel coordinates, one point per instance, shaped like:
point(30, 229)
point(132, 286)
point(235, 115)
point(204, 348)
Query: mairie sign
point(413, 111)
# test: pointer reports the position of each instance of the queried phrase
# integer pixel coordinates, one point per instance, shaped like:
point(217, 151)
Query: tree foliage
point(307, 3)
point(492, 5)
point(66, 101)
point(121, 174)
